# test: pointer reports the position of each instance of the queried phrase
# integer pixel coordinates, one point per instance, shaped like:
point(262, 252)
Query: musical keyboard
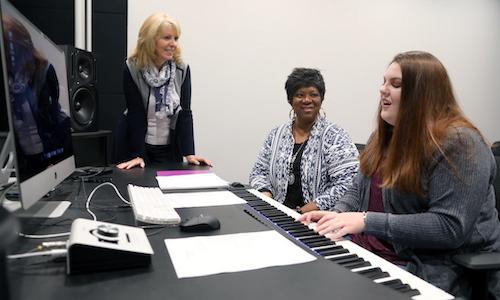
point(344, 253)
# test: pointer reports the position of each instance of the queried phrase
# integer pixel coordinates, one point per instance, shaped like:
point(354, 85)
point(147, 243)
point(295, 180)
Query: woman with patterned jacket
point(307, 163)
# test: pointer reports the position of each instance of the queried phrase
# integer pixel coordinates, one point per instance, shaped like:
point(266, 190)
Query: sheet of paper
point(181, 172)
point(207, 255)
point(190, 181)
point(200, 199)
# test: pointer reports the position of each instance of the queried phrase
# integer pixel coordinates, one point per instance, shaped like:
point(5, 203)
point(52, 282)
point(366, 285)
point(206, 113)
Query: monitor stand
point(41, 209)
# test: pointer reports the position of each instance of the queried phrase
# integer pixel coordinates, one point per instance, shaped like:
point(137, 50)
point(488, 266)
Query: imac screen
point(37, 104)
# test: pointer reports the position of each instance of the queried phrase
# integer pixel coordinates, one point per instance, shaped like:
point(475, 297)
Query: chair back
point(360, 146)
point(496, 184)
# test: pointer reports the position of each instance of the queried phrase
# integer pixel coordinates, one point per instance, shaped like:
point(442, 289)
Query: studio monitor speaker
point(81, 66)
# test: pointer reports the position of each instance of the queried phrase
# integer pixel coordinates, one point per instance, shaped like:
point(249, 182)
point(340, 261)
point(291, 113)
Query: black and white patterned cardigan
point(328, 165)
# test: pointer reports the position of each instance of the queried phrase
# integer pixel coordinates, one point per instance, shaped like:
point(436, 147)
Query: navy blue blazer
point(131, 130)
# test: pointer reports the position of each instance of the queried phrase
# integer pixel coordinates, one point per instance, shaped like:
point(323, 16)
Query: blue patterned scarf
point(162, 82)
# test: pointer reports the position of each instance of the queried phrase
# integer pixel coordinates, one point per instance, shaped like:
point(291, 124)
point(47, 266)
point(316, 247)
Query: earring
point(292, 114)
point(322, 112)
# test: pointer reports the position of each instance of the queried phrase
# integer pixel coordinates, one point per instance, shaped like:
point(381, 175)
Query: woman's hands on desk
point(138, 161)
point(198, 160)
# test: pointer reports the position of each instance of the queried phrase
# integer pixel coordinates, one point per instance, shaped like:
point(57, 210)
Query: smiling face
point(165, 45)
point(390, 94)
point(306, 103)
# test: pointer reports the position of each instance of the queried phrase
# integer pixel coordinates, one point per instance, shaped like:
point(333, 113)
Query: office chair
point(480, 265)
point(495, 148)
point(360, 146)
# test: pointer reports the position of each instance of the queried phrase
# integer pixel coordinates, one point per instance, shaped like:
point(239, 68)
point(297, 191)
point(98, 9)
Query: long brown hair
point(427, 110)
point(17, 39)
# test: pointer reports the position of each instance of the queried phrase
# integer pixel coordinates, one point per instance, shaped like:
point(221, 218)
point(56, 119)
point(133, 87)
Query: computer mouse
point(200, 223)
point(237, 184)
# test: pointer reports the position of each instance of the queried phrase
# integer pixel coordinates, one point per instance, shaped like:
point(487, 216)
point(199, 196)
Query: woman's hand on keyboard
point(336, 225)
point(313, 216)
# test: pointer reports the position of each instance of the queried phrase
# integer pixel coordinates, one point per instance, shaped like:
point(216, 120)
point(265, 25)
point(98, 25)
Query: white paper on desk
point(190, 181)
point(200, 199)
point(207, 255)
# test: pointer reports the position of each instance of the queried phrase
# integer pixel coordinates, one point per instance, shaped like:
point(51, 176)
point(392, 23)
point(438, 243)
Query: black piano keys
point(351, 261)
point(322, 245)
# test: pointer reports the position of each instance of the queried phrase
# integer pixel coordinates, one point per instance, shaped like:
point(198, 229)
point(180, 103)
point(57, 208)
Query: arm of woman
point(127, 165)
point(185, 118)
point(459, 191)
point(53, 124)
point(52, 84)
point(341, 163)
point(136, 116)
point(259, 176)
point(185, 124)
point(198, 160)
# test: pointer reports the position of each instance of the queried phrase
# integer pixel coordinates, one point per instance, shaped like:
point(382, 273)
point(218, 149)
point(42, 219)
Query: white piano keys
point(427, 290)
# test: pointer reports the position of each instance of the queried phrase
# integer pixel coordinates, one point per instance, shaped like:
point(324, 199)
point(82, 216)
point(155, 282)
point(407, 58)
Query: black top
point(294, 197)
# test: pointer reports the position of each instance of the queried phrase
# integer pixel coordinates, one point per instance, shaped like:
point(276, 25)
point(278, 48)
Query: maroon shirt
point(378, 246)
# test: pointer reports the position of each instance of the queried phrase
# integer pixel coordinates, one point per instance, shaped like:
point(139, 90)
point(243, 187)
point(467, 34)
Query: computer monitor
point(37, 102)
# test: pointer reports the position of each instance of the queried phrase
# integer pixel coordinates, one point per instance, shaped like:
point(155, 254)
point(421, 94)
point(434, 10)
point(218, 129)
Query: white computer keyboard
point(150, 205)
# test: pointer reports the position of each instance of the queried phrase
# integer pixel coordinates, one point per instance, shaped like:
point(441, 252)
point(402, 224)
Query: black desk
point(319, 279)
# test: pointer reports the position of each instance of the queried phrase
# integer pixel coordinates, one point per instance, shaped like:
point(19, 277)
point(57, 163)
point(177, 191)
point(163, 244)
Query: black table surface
point(40, 278)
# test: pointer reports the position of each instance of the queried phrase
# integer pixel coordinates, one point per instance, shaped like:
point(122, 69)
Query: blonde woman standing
point(158, 124)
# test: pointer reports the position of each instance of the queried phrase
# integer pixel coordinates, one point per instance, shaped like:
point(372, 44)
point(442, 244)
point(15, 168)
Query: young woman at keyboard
point(424, 192)
point(158, 124)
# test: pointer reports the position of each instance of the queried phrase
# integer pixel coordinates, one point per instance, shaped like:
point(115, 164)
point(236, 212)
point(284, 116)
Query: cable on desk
point(90, 172)
point(61, 222)
point(52, 245)
point(155, 232)
point(54, 253)
point(87, 204)
point(54, 249)
point(43, 236)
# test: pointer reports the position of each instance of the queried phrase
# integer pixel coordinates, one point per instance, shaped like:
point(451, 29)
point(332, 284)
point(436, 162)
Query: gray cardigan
point(457, 215)
point(144, 88)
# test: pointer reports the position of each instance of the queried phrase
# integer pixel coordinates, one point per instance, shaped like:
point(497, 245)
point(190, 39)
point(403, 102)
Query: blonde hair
point(144, 53)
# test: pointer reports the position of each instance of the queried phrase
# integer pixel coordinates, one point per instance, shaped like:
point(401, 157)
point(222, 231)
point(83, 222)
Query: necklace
point(291, 176)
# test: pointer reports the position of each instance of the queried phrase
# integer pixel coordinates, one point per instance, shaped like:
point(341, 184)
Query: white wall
point(241, 52)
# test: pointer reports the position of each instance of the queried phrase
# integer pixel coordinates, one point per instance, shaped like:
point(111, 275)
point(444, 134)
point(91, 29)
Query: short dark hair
point(304, 77)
